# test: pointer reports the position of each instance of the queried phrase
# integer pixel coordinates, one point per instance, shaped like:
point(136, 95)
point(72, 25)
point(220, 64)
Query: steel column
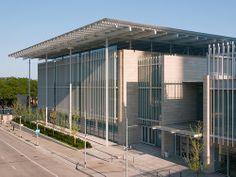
point(208, 119)
point(46, 94)
point(70, 98)
point(29, 86)
point(106, 94)
point(209, 59)
point(233, 65)
point(228, 73)
point(85, 140)
point(114, 121)
point(223, 97)
point(213, 91)
point(218, 89)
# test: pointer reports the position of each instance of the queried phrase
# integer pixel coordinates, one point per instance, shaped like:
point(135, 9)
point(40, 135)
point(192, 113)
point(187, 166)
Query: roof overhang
point(117, 31)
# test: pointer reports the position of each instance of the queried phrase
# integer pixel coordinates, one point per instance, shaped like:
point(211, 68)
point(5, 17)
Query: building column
point(206, 119)
point(29, 85)
point(70, 92)
point(106, 95)
point(46, 93)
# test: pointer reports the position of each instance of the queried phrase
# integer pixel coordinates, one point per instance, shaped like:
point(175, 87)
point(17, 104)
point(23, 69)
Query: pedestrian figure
point(13, 127)
point(76, 166)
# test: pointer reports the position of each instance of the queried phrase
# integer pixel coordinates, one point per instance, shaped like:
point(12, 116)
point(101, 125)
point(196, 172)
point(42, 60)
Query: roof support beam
point(168, 37)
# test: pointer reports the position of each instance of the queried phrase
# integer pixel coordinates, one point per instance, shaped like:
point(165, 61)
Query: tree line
point(11, 86)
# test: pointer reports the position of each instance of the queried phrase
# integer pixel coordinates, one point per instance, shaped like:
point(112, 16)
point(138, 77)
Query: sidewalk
point(107, 161)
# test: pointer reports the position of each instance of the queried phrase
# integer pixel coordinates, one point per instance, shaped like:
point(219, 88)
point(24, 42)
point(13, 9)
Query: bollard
point(180, 174)
point(169, 172)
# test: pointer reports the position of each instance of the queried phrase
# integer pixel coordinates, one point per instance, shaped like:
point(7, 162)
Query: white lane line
point(13, 167)
point(47, 170)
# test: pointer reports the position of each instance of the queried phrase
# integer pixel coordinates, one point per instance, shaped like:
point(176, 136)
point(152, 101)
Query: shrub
point(65, 138)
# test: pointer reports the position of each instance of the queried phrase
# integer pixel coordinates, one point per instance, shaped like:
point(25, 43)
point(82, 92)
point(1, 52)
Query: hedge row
point(65, 138)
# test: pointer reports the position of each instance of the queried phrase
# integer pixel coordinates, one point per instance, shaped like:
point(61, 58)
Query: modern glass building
point(160, 80)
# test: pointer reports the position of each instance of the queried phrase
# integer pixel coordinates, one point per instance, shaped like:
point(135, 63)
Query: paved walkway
point(108, 161)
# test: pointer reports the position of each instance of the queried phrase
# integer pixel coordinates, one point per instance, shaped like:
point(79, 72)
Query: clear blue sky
point(26, 22)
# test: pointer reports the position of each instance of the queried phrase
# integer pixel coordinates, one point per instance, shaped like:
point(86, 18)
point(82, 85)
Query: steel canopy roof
point(94, 35)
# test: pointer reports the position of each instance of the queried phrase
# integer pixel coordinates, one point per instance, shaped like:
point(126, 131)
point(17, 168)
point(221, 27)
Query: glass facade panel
point(222, 70)
point(88, 88)
point(149, 89)
point(149, 97)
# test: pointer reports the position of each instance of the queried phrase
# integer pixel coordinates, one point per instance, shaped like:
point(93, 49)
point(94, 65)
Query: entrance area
point(150, 136)
point(182, 146)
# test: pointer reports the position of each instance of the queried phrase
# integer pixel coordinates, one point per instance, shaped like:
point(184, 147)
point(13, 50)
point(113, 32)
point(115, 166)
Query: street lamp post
point(127, 142)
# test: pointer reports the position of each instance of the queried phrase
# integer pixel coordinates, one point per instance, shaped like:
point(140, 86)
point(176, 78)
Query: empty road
point(20, 159)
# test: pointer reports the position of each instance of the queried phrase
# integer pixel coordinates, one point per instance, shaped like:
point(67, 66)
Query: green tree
point(75, 122)
point(20, 110)
point(11, 86)
point(193, 159)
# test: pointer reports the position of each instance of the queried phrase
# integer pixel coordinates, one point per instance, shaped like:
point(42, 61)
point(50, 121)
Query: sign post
point(37, 131)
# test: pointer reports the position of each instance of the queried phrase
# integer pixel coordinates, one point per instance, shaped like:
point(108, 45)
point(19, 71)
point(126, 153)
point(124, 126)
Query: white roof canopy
point(117, 31)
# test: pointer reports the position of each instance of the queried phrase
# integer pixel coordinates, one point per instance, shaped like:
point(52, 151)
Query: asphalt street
point(20, 159)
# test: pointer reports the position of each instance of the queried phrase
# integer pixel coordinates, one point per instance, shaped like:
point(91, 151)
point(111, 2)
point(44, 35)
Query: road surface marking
point(47, 170)
point(13, 167)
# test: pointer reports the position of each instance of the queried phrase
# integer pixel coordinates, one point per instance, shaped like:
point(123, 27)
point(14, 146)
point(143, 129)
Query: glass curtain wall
point(222, 70)
point(92, 67)
point(149, 96)
point(88, 90)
